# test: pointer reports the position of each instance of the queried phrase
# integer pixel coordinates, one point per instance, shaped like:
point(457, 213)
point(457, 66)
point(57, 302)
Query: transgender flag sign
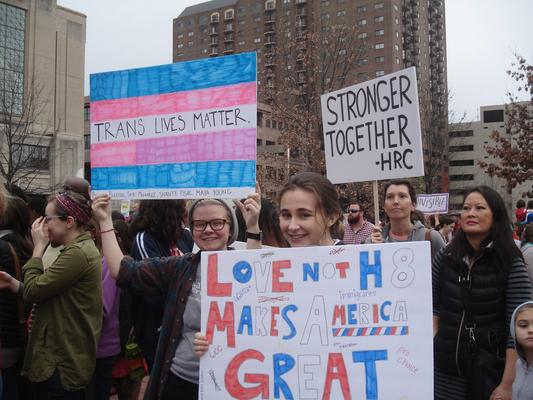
point(183, 130)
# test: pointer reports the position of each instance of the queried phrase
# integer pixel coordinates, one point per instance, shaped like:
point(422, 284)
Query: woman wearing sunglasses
point(176, 281)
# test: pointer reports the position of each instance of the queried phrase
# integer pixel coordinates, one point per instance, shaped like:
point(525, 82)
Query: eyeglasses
point(215, 224)
point(48, 218)
point(353, 211)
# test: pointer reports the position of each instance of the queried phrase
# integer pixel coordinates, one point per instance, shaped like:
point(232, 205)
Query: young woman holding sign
point(478, 280)
point(176, 281)
point(399, 204)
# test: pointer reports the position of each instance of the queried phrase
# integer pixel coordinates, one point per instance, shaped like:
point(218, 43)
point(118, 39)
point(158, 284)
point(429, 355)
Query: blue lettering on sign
point(369, 358)
point(242, 272)
point(311, 271)
point(286, 309)
point(283, 363)
point(370, 269)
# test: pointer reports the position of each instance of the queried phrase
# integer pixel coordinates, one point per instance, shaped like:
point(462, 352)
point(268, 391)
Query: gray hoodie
point(418, 234)
point(523, 381)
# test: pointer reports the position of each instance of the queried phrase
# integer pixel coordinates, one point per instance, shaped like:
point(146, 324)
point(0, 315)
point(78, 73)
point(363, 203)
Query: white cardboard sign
point(372, 130)
point(432, 203)
point(352, 322)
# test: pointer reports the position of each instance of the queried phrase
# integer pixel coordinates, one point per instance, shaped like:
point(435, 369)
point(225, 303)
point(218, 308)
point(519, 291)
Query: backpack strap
point(427, 237)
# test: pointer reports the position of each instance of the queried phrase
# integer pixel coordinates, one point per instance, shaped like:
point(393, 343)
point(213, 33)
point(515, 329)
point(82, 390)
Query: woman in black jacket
point(15, 250)
point(478, 280)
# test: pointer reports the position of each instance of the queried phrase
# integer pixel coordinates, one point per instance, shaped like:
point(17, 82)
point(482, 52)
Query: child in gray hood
point(522, 332)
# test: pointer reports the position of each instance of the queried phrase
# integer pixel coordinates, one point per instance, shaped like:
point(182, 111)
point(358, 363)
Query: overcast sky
point(482, 38)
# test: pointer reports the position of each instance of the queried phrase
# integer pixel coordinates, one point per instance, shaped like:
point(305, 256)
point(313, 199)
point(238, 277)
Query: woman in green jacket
point(61, 351)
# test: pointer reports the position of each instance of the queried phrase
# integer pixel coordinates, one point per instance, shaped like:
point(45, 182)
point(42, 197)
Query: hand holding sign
point(200, 344)
point(376, 236)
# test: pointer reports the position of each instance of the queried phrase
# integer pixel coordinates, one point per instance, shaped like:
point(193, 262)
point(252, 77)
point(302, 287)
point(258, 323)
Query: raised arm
point(250, 209)
point(112, 253)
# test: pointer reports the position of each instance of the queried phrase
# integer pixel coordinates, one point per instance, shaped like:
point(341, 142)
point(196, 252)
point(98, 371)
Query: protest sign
point(183, 130)
point(331, 322)
point(432, 203)
point(372, 130)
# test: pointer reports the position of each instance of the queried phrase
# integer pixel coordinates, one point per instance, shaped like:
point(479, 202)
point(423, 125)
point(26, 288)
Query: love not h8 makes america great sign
point(340, 322)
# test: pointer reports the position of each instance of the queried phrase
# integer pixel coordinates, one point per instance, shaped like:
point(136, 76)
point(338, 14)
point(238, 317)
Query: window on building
point(378, 6)
point(379, 18)
point(86, 113)
point(380, 32)
point(492, 116)
point(32, 156)
point(190, 34)
point(87, 142)
point(380, 60)
point(379, 46)
point(180, 35)
point(361, 9)
point(341, 13)
point(228, 14)
point(270, 5)
point(362, 76)
point(465, 147)
point(461, 163)
point(380, 73)
point(202, 20)
point(361, 22)
point(215, 17)
point(464, 177)
point(257, 40)
point(362, 61)
point(459, 134)
point(180, 45)
point(12, 28)
point(362, 35)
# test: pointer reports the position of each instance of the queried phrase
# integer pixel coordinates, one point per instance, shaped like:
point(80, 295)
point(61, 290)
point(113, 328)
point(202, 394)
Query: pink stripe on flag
point(228, 145)
point(171, 103)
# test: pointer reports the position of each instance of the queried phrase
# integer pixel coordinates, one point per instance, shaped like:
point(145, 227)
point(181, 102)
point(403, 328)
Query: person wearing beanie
point(522, 333)
point(176, 282)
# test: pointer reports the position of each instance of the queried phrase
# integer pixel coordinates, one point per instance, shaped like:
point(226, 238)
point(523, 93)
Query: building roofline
point(206, 6)
point(70, 10)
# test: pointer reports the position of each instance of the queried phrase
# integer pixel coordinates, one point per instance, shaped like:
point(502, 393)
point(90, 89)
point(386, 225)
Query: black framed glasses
point(215, 224)
point(353, 210)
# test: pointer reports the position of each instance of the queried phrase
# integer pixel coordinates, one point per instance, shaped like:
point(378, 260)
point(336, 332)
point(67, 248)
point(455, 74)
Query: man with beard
point(357, 229)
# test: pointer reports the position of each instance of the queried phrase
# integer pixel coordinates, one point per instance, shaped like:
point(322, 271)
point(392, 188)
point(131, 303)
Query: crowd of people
point(91, 301)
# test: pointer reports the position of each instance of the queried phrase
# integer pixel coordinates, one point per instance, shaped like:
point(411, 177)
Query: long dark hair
point(17, 218)
point(500, 233)
point(162, 218)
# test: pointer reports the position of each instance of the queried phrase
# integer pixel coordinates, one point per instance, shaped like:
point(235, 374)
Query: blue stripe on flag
point(168, 78)
point(175, 176)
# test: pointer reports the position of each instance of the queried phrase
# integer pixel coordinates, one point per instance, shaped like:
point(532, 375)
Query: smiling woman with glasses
point(175, 281)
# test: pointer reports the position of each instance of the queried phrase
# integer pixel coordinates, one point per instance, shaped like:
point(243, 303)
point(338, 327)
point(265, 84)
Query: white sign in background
point(436, 203)
point(352, 322)
point(372, 130)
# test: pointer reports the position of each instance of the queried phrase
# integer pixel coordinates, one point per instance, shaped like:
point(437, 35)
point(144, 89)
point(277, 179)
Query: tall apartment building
point(467, 143)
point(42, 49)
point(396, 34)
